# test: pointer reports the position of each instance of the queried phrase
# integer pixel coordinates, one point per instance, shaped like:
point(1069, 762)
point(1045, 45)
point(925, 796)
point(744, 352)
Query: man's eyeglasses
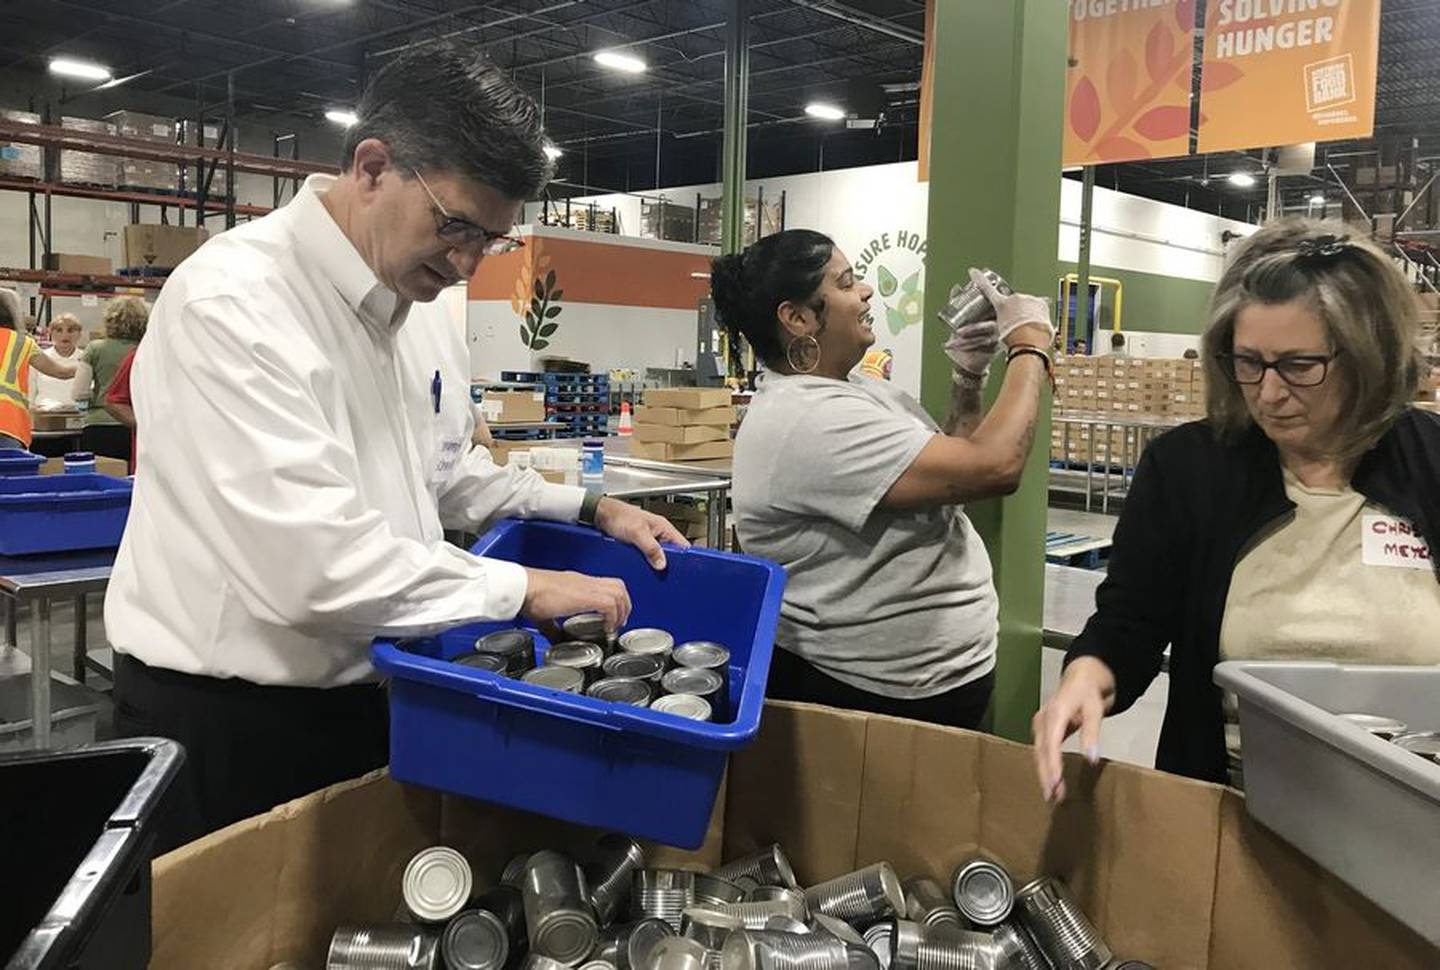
point(459, 232)
point(1299, 370)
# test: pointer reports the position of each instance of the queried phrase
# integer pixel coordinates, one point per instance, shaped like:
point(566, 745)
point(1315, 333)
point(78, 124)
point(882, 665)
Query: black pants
point(794, 679)
point(248, 747)
point(110, 440)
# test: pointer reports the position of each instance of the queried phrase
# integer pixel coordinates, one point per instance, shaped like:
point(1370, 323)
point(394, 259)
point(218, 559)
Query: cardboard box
point(690, 398)
point(717, 417)
point(19, 159)
point(662, 451)
point(513, 407)
point(84, 265)
point(88, 168)
point(160, 247)
point(673, 434)
point(1172, 871)
point(68, 419)
point(114, 467)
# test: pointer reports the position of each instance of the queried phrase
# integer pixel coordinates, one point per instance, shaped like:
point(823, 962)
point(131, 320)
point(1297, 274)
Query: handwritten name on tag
point(1388, 540)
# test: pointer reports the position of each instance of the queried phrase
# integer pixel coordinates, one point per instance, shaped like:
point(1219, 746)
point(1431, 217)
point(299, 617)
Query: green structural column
point(999, 72)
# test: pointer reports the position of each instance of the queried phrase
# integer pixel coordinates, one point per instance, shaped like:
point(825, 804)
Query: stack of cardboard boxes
point(87, 168)
point(145, 173)
point(20, 159)
point(1122, 389)
point(684, 424)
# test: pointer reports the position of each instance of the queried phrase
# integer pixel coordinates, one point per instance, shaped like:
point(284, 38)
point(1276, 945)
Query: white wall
point(606, 337)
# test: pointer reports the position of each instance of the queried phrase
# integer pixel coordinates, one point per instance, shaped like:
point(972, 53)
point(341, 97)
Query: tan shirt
point(1342, 580)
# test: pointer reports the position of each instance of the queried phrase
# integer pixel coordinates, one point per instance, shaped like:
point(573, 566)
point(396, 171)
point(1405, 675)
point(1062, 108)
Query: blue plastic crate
point(615, 767)
point(61, 513)
point(20, 463)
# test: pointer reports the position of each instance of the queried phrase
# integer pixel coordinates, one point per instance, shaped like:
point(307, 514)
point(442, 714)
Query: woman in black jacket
point(1295, 522)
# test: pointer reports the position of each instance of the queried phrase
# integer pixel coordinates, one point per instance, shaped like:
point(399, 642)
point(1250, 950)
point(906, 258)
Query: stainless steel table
point(39, 590)
point(1069, 601)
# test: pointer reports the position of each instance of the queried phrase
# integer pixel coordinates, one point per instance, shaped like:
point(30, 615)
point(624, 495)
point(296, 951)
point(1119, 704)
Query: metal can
point(794, 897)
point(711, 890)
point(475, 940)
point(587, 658)
point(959, 950)
point(614, 942)
point(1060, 927)
point(837, 928)
point(705, 684)
point(905, 939)
point(598, 965)
point(927, 904)
point(621, 690)
point(492, 662)
point(677, 953)
point(983, 892)
point(786, 924)
point(861, 957)
point(507, 904)
point(647, 935)
point(557, 910)
point(609, 873)
point(382, 948)
point(536, 961)
point(769, 950)
point(878, 938)
point(436, 884)
point(705, 655)
point(514, 872)
point(662, 894)
point(635, 666)
point(769, 867)
point(1424, 743)
point(648, 643)
point(758, 914)
point(589, 627)
point(710, 928)
point(1132, 965)
point(1017, 948)
point(516, 646)
point(968, 305)
point(1384, 728)
point(687, 706)
point(860, 898)
point(566, 679)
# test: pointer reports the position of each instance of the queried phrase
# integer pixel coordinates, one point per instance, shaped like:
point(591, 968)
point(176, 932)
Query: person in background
point(1117, 345)
point(306, 448)
point(49, 392)
point(120, 406)
point(125, 321)
point(1191, 354)
point(1244, 536)
point(1082, 349)
point(849, 484)
point(19, 353)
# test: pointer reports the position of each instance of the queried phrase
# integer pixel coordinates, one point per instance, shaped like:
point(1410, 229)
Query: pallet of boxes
point(1127, 390)
point(684, 424)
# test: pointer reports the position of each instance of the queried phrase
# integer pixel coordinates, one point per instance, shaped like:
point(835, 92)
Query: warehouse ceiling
point(302, 57)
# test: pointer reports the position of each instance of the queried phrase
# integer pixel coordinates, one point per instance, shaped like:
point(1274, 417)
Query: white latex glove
point(972, 347)
point(1016, 312)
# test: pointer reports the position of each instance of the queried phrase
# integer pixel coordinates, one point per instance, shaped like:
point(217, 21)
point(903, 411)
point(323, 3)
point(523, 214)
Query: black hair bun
point(727, 288)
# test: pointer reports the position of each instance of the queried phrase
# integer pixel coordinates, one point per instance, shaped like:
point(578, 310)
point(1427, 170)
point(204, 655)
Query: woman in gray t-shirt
point(851, 486)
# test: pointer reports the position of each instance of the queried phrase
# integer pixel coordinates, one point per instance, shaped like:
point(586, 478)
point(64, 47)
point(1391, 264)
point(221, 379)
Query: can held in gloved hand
point(969, 305)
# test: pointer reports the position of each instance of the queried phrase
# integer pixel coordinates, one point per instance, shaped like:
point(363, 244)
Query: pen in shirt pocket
point(435, 385)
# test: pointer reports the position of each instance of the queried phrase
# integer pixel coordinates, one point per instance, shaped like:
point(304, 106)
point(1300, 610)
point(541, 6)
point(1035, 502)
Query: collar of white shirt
point(319, 235)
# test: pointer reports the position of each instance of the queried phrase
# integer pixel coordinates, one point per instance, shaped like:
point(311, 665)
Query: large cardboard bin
point(1172, 871)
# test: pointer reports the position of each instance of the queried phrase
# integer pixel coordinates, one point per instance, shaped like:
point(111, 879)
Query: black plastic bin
point(76, 836)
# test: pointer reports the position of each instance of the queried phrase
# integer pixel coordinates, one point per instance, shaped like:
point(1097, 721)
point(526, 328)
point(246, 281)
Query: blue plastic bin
point(19, 463)
point(619, 768)
point(61, 513)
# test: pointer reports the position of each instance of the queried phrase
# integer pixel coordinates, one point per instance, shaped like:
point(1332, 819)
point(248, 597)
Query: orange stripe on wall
point(594, 272)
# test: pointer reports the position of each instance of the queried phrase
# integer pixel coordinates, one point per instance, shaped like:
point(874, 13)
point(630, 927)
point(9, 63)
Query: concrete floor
point(16, 659)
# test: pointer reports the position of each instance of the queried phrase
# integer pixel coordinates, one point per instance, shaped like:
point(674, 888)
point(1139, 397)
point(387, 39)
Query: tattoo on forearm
point(966, 402)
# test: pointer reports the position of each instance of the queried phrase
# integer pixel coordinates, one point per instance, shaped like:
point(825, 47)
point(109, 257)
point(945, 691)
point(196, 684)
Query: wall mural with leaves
point(1128, 86)
point(537, 301)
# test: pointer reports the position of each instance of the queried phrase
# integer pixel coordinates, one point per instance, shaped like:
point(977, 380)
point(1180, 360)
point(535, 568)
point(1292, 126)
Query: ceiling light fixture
point(827, 112)
point(85, 70)
point(1242, 180)
point(342, 117)
point(552, 152)
point(616, 61)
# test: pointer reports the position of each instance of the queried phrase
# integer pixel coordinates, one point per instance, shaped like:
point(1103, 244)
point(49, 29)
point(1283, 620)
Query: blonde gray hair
point(126, 317)
point(1366, 305)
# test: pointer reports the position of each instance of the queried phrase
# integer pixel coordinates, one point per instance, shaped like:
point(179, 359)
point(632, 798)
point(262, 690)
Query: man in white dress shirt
point(295, 473)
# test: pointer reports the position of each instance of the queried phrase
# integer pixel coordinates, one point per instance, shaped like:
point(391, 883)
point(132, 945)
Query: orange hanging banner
point(1127, 93)
point(1283, 72)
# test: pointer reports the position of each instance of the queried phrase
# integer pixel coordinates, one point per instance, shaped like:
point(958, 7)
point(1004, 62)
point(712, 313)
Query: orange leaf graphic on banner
point(1159, 49)
point(1117, 147)
point(1219, 74)
point(1085, 110)
point(1185, 15)
point(1169, 121)
point(1120, 82)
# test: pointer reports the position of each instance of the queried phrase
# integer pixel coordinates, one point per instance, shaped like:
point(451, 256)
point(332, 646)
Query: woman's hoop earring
point(807, 345)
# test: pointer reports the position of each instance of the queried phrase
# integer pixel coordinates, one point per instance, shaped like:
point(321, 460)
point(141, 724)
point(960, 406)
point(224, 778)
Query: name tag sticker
point(1388, 540)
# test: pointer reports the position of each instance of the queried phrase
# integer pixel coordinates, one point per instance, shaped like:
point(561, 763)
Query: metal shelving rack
point(52, 139)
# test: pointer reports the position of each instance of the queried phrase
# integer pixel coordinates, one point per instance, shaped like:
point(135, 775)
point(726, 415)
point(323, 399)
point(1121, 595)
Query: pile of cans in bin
point(1424, 743)
point(611, 912)
point(643, 667)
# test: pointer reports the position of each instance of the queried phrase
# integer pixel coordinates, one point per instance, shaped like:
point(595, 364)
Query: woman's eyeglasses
point(459, 232)
point(1297, 370)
